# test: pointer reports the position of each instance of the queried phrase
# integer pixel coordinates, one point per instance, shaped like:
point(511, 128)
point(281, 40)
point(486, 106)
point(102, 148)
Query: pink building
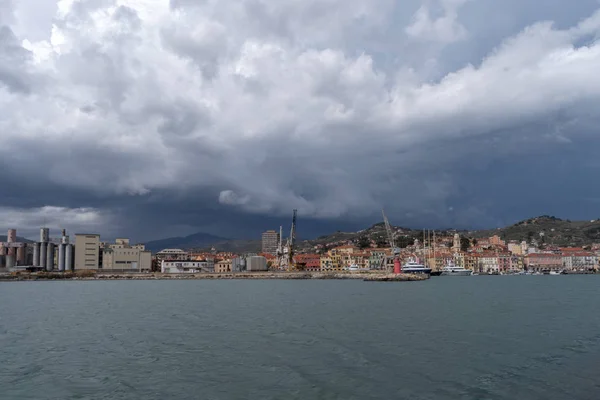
point(544, 261)
point(496, 240)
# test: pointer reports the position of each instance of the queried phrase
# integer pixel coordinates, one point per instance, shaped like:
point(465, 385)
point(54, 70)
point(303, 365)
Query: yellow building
point(223, 266)
point(470, 261)
point(326, 263)
point(87, 251)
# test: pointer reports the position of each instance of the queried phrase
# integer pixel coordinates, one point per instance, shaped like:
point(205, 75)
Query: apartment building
point(270, 242)
point(87, 251)
point(543, 261)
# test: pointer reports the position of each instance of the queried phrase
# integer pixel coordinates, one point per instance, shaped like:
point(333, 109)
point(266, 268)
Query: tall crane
point(286, 253)
point(392, 242)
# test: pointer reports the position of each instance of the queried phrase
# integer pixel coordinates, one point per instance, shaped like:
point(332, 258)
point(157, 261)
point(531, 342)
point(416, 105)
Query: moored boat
point(452, 270)
point(413, 267)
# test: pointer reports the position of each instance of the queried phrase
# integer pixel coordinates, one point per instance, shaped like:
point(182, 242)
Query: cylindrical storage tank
point(69, 257)
point(61, 257)
point(256, 263)
point(21, 256)
point(36, 254)
point(43, 251)
point(50, 257)
point(44, 235)
point(12, 236)
point(10, 261)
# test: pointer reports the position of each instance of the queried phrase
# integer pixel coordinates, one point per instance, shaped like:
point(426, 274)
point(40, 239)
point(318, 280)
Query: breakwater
point(92, 275)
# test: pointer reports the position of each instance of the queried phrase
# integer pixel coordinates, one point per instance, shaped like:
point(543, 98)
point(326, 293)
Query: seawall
point(90, 275)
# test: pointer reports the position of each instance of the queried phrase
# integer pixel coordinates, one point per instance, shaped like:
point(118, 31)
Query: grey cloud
point(13, 62)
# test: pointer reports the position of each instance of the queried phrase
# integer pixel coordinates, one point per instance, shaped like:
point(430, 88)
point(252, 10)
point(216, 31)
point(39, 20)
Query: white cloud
point(444, 28)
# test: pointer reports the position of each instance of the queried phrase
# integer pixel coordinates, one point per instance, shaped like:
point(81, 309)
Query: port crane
point(393, 246)
point(285, 253)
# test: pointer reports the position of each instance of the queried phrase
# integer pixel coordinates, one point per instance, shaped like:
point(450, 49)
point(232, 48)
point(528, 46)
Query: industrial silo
point(44, 235)
point(43, 251)
point(36, 254)
point(50, 257)
point(69, 257)
point(12, 236)
point(10, 261)
point(22, 255)
point(61, 257)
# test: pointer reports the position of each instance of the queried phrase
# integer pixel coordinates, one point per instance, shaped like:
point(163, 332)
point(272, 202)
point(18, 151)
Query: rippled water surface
point(523, 337)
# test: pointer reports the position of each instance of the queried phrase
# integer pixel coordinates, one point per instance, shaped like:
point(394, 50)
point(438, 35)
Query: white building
point(489, 264)
point(186, 267)
point(579, 261)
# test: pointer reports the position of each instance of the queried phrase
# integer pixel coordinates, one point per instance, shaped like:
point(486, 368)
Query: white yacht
point(413, 267)
point(452, 270)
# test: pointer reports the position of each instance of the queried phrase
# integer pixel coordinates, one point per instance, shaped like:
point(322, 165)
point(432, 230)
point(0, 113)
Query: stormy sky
point(148, 119)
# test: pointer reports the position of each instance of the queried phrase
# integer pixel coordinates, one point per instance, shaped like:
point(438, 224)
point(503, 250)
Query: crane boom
point(285, 253)
point(390, 234)
point(291, 240)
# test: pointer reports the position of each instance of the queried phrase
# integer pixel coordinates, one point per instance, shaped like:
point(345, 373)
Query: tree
point(465, 243)
point(381, 241)
point(363, 242)
point(405, 241)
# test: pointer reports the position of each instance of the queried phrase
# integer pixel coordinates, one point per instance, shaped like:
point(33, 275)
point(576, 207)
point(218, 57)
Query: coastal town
point(435, 252)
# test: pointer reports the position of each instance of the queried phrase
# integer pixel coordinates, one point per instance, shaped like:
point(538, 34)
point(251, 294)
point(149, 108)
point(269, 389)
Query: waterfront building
point(543, 261)
point(504, 262)
point(223, 266)
point(185, 267)
point(326, 263)
point(310, 262)
point(472, 262)
point(488, 263)
point(376, 257)
point(123, 257)
point(516, 262)
point(87, 251)
point(579, 260)
point(270, 242)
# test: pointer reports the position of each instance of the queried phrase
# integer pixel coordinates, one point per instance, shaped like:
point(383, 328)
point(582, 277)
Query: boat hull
point(416, 271)
point(457, 273)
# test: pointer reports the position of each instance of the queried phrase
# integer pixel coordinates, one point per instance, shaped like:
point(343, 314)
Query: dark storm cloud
point(157, 118)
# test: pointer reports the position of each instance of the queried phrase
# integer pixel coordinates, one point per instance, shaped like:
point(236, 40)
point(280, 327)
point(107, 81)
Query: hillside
point(544, 230)
point(197, 240)
point(548, 230)
point(19, 239)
